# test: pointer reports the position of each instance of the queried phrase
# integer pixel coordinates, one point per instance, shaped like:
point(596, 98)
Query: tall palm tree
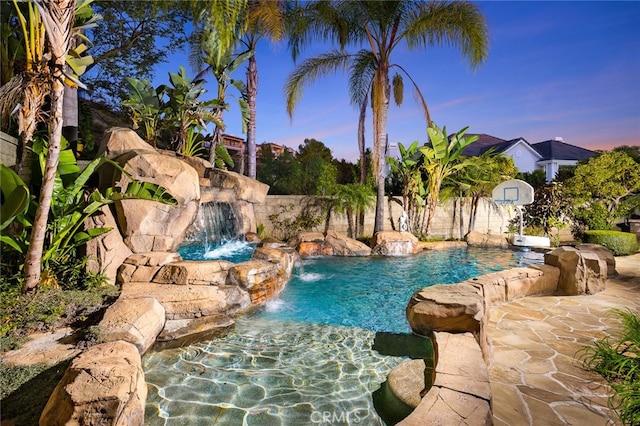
point(382, 26)
point(265, 19)
point(57, 17)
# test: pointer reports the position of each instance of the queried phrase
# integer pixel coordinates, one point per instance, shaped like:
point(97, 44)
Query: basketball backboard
point(515, 192)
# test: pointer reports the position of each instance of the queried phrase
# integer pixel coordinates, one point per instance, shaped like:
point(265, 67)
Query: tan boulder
point(461, 393)
point(245, 188)
point(137, 321)
point(200, 165)
point(344, 246)
point(210, 272)
point(149, 225)
point(477, 239)
point(105, 253)
point(454, 308)
point(190, 301)
point(312, 248)
point(513, 283)
point(262, 279)
point(393, 243)
point(581, 272)
point(285, 257)
point(120, 140)
point(603, 253)
point(103, 386)
point(154, 258)
point(408, 383)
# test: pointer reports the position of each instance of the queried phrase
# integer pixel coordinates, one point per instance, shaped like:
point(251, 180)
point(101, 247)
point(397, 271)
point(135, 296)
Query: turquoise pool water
point(316, 354)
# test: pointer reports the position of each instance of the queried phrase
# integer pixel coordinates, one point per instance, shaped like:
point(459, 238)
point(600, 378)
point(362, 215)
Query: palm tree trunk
point(380, 125)
point(361, 143)
point(58, 18)
point(252, 92)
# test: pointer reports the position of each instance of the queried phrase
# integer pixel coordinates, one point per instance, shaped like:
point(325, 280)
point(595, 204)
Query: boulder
point(455, 308)
point(200, 165)
point(245, 188)
point(477, 239)
point(517, 282)
point(137, 321)
point(103, 386)
point(344, 246)
point(461, 394)
point(262, 279)
point(210, 272)
point(105, 253)
point(408, 383)
point(581, 272)
point(393, 243)
point(150, 225)
point(603, 253)
point(190, 301)
point(285, 257)
point(120, 140)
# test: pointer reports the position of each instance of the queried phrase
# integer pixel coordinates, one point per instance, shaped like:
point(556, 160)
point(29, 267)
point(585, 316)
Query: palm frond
point(450, 23)
point(309, 71)
point(363, 68)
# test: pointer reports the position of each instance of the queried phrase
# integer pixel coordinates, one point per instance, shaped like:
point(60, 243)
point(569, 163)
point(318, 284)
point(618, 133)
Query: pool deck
point(536, 377)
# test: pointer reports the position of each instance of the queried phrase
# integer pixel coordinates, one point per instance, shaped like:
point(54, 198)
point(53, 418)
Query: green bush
point(620, 243)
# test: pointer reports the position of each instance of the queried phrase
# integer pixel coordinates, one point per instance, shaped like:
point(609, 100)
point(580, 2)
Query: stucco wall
point(490, 217)
point(8, 145)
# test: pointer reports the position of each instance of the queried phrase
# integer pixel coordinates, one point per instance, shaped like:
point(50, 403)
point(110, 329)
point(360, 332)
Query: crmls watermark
point(338, 417)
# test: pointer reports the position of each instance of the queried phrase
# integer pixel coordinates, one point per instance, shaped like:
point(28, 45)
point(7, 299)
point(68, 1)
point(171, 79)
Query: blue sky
point(555, 68)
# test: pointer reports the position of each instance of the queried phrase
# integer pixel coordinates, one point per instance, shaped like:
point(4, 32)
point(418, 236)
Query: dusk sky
point(568, 69)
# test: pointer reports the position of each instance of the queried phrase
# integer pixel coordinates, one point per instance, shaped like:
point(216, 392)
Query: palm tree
point(382, 26)
point(57, 18)
point(265, 19)
point(441, 159)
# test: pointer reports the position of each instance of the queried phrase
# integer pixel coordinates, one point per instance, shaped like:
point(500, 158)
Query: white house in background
point(548, 155)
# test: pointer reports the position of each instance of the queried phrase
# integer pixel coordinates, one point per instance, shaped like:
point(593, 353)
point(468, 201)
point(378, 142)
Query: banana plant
point(441, 159)
point(72, 203)
point(145, 104)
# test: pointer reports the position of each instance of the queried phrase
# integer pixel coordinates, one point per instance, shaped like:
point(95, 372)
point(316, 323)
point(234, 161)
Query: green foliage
point(620, 243)
point(551, 208)
point(618, 361)
point(283, 174)
point(352, 200)
point(612, 180)
point(591, 215)
point(15, 197)
point(287, 225)
point(131, 40)
point(536, 178)
point(176, 110)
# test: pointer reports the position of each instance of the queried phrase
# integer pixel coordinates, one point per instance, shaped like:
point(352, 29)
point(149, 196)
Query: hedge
point(620, 243)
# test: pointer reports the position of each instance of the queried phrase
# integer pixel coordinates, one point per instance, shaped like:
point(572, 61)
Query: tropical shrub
point(286, 224)
point(618, 361)
point(620, 243)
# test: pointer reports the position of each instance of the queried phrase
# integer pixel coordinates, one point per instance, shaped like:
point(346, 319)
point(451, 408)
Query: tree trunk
point(58, 17)
point(361, 143)
point(252, 92)
point(380, 142)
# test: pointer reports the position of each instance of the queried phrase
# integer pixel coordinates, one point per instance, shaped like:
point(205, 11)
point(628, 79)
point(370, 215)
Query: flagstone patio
point(536, 377)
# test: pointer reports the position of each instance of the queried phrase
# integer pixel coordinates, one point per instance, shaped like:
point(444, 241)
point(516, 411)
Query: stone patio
point(535, 375)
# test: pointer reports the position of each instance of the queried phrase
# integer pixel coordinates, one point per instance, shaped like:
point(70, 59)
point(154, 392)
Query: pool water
point(232, 250)
point(318, 353)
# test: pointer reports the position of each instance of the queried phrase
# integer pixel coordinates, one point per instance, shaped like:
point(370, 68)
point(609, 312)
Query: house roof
point(549, 150)
point(484, 143)
point(558, 150)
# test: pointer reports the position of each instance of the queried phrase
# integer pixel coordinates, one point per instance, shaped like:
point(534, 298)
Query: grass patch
point(21, 315)
point(618, 361)
point(25, 390)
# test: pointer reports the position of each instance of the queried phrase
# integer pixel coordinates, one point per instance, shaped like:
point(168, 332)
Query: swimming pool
point(318, 352)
